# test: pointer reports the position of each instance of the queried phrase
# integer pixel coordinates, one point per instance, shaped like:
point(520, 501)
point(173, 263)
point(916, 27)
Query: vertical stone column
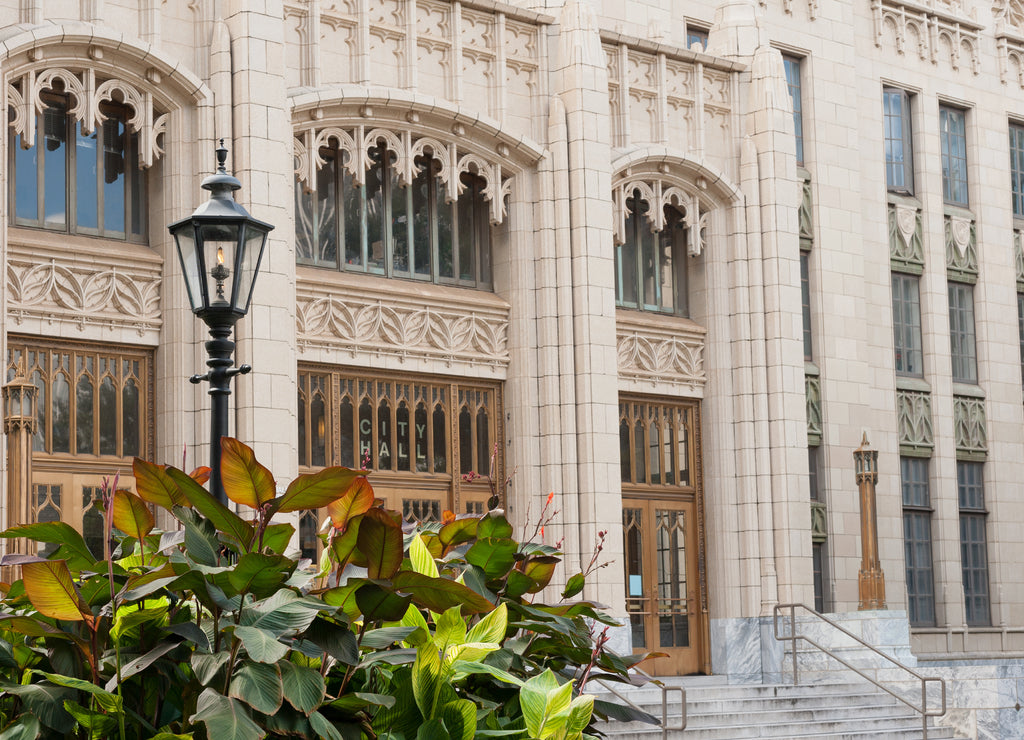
point(261, 158)
point(580, 80)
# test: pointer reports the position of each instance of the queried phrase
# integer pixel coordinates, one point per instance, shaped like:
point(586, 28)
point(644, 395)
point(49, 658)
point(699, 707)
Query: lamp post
point(872, 579)
point(220, 246)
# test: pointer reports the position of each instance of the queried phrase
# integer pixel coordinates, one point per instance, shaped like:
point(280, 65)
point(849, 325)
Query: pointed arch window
point(70, 177)
point(651, 262)
point(414, 228)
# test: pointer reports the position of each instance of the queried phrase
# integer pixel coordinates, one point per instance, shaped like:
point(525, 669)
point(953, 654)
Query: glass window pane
point(86, 180)
point(26, 180)
point(130, 419)
point(793, 84)
point(84, 411)
point(375, 206)
point(440, 440)
point(467, 227)
point(465, 441)
point(114, 165)
point(421, 224)
point(400, 226)
point(108, 417)
point(627, 283)
point(55, 165)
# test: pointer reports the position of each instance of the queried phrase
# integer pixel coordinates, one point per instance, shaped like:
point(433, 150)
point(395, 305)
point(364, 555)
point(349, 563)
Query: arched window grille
point(650, 266)
point(383, 226)
point(76, 161)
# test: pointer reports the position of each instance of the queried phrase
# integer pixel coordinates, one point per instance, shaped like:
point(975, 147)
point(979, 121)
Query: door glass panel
point(635, 602)
point(673, 622)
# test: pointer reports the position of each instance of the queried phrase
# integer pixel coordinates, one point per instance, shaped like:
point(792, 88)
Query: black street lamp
point(220, 246)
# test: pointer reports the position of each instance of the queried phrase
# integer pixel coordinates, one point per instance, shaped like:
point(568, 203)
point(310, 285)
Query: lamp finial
point(222, 158)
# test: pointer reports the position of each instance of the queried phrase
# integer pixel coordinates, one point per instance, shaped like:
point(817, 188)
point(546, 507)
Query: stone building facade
point(669, 261)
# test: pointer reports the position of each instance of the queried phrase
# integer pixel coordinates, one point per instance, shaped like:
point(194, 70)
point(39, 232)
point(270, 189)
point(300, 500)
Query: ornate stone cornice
point(84, 289)
point(935, 30)
point(659, 193)
point(371, 319)
point(662, 352)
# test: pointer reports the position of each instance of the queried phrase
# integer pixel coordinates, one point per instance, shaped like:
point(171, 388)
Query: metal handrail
point(665, 729)
point(793, 637)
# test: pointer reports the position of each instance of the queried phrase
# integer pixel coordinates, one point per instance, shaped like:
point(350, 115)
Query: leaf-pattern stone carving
point(812, 390)
point(961, 247)
point(819, 521)
point(806, 211)
point(63, 291)
point(359, 321)
point(969, 424)
point(906, 244)
point(1018, 256)
point(914, 417)
point(660, 355)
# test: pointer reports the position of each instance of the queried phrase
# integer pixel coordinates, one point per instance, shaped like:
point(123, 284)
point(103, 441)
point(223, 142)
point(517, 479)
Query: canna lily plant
point(210, 629)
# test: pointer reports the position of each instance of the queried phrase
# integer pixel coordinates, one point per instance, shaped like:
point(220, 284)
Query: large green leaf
point(580, 711)
point(51, 590)
point(155, 485)
point(623, 712)
point(259, 686)
point(303, 687)
point(26, 727)
point(57, 533)
point(284, 612)
point(466, 667)
point(138, 665)
point(225, 718)
point(261, 575)
point(384, 637)
point(432, 729)
point(440, 594)
point(493, 526)
point(352, 703)
point(277, 536)
point(545, 704)
point(540, 569)
point(334, 639)
point(518, 583)
point(323, 488)
point(380, 540)
point(323, 728)
point(201, 542)
point(131, 515)
point(491, 628)
point(261, 645)
point(206, 667)
point(427, 679)
point(223, 518)
point(495, 557)
point(378, 603)
point(108, 702)
point(458, 531)
point(246, 481)
point(343, 543)
point(46, 702)
point(574, 585)
point(97, 723)
point(460, 719)
point(421, 559)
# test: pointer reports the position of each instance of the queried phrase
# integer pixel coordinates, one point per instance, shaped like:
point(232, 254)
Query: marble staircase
point(717, 710)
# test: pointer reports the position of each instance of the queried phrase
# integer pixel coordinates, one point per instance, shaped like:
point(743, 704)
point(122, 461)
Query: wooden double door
point(664, 584)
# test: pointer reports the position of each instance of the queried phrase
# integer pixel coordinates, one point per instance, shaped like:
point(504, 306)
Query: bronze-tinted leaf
point(246, 481)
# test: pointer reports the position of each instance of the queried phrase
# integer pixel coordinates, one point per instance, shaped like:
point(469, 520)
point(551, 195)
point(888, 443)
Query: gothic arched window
point(75, 181)
point(650, 266)
point(415, 230)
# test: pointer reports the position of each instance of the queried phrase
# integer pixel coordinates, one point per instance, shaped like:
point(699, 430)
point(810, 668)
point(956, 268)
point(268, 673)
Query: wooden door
point(663, 583)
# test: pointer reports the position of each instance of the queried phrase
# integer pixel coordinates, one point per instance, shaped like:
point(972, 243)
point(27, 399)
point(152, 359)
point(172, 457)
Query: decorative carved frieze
point(819, 522)
point(969, 424)
point(88, 93)
point(657, 194)
point(61, 289)
point(935, 30)
point(1009, 33)
point(914, 418)
point(812, 389)
point(1018, 256)
point(806, 214)
point(961, 248)
point(379, 321)
point(906, 242)
point(659, 353)
point(354, 144)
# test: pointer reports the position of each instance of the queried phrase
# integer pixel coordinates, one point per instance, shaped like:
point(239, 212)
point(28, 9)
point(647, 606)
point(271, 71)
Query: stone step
point(740, 704)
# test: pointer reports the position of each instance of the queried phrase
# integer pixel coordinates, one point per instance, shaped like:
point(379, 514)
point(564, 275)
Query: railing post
point(924, 708)
point(792, 640)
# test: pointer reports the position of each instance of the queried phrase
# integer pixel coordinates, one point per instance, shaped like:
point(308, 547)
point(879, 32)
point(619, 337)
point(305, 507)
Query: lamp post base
point(871, 582)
